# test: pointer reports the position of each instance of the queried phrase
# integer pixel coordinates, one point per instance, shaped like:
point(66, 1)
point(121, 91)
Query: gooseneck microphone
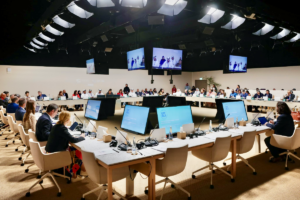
point(78, 118)
point(200, 123)
point(128, 143)
point(225, 118)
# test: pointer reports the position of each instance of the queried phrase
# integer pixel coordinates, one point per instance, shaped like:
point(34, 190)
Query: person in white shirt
point(99, 93)
point(90, 94)
point(132, 93)
point(155, 62)
point(178, 93)
point(84, 95)
point(197, 92)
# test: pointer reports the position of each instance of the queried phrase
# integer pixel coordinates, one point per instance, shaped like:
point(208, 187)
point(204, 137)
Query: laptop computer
point(262, 120)
point(37, 108)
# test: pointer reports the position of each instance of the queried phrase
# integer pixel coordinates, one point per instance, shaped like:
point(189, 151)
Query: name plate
point(63, 98)
point(75, 98)
point(248, 97)
point(238, 97)
point(32, 98)
point(265, 98)
point(222, 96)
point(201, 95)
point(85, 97)
point(46, 98)
point(213, 96)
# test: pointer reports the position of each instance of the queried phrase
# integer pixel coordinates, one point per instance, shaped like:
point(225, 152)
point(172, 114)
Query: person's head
point(64, 118)
point(12, 96)
point(99, 91)
point(18, 95)
point(30, 108)
point(40, 93)
point(22, 102)
point(244, 91)
point(64, 91)
point(2, 96)
point(209, 91)
point(126, 85)
point(109, 91)
point(238, 86)
point(197, 89)
point(14, 100)
point(27, 93)
point(154, 89)
point(173, 86)
point(150, 90)
point(120, 91)
point(84, 91)
point(75, 92)
point(178, 90)
point(6, 93)
point(239, 92)
point(289, 92)
point(60, 93)
point(137, 90)
point(143, 91)
point(146, 89)
point(79, 92)
point(193, 87)
point(214, 85)
point(162, 90)
point(232, 91)
point(90, 91)
point(131, 90)
point(52, 110)
point(282, 108)
point(222, 91)
point(187, 84)
point(267, 91)
point(247, 92)
point(257, 92)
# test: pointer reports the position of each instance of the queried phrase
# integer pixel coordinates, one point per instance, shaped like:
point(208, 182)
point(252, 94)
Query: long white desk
point(121, 159)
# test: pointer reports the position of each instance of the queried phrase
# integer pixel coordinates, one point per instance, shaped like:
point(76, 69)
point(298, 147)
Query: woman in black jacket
point(283, 126)
point(60, 137)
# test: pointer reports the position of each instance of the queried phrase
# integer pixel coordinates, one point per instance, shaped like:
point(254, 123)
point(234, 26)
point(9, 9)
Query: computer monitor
point(235, 109)
point(153, 102)
point(100, 96)
point(135, 118)
point(113, 96)
point(92, 109)
point(176, 101)
point(174, 117)
point(37, 108)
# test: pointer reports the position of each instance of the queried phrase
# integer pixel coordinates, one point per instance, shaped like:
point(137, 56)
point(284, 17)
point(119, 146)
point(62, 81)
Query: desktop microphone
point(254, 122)
point(92, 125)
point(128, 143)
point(78, 118)
point(200, 124)
point(225, 118)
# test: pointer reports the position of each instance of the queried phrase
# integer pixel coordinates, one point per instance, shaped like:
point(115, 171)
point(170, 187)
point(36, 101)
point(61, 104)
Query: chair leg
point(59, 190)
point(179, 187)
point(118, 194)
point(161, 181)
point(28, 154)
point(223, 171)
point(200, 169)
point(60, 175)
point(101, 192)
point(211, 177)
point(45, 175)
point(291, 154)
point(93, 190)
point(163, 189)
point(246, 162)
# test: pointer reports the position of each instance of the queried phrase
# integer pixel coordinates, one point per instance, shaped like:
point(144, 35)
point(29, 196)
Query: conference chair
point(288, 143)
point(98, 174)
point(33, 137)
point(14, 132)
point(48, 162)
point(13, 115)
point(244, 145)
point(172, 164)
point(5, 121)
point(213, 154)
point(25, 139)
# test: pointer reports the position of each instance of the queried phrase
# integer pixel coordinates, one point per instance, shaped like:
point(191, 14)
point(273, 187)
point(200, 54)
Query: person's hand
point(82, 135)
point(266, 123)
point(271, 122)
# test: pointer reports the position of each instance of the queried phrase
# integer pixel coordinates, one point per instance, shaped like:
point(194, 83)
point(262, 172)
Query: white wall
point(50, 80)
point(269, 78)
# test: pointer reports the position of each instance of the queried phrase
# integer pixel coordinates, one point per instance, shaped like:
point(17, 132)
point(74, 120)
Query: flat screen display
point(174, 117)
point(237, 63)
point(236, 109)
point(90, 66)
point(136, 59)
point(167, 59)
point(135, 118)
point(92, 109)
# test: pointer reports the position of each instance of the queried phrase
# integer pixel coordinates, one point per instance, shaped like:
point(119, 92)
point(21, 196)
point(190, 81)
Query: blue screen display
point(236, 109)
point(92, 109)
point(135, 118)
point(237, 64)
point(136, 59)
point(174, 117)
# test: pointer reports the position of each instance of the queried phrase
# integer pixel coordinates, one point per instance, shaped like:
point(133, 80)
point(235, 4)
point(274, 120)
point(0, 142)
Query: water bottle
point(237, 123)
point(49, 97)
point(133, 146)
point(210, 126)
point(170, 134)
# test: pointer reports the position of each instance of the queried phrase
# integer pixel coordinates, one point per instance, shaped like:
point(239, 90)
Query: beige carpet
point(271, 182)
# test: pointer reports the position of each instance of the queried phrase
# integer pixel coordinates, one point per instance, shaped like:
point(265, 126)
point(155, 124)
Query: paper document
point(75, 133)
point(104, 152)
point(160, 148)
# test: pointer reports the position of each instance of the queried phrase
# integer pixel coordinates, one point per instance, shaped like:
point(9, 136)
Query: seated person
point(132, 93)
point(239, 93)
point(193, 89)
point(197, 92)
point(60, 94)
point(290, 96)
point(138, 93)
point(232, 94)
point(90, 94)
point(178, 93)
point(268, 94)
point(154, 91)
point(7, 97)
point(221, 92)
point(161, 92)
point(186, 92)
point(248, 93)
point(283, 126)
point(258, 95)
point(143, 93)
point(151, 92)
point(146, 91)
point(202, 91)
point(29, 120)
point(120, 93)
point(75, 94)
point(21, 110)
point(27, 95)
point(40, 96)
point(59, 137)
point(244, 94)
point(84, 95)
point(211, 93)
point(44, 123)
point(13, 106)
point(65, 94)
point(2, 100)
point(99, 93)
point(110, 92)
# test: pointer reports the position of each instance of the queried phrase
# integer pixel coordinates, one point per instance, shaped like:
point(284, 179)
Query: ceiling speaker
point(104, 38)
point(208, 30)
point(156, 20)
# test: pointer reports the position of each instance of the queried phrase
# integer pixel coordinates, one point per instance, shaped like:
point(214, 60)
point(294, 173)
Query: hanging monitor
point(237, 64)
point(90, 66)
point(167, 59)
point(136, 59)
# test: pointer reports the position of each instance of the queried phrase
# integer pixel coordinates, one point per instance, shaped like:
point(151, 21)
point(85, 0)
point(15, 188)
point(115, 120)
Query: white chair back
point(4, 118)
point(12, 124)
point(158, 134)
point(24, 136)
point(120, 138)
point(13, 115)
point(188, 128)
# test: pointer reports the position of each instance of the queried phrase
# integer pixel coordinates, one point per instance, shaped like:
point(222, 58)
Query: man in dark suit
point(44, 123)
point(268, 94)
point(65, 94)
point(41, 95)
point(258, 95)
point(290, 96)
point(13, 106)
point(126, 89)
point(283, 126)
point(2, 100)
point(21, 110)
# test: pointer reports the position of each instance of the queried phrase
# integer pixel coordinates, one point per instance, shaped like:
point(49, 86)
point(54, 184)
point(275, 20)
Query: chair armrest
point(281, 141)
point(57, 160)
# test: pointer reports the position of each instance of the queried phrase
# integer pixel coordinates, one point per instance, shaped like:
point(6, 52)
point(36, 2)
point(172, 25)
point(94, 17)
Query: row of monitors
point(135, 118)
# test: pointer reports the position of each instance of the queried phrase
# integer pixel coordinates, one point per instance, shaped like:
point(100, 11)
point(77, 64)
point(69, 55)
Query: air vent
point(208, 30)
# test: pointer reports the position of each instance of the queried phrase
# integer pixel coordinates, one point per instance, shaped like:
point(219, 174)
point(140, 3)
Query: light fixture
point(264, 30)
point(282, 34)
point(235, 22)
point(30, 49)
point(62, 22)
point(54, 31)
point(46, 38)
point(133, 3)
point(212, 16)
point(172, 7)
point(76, 10)
point(294, 39)
point(39, 43)
point(101, 3)
point(35, 46)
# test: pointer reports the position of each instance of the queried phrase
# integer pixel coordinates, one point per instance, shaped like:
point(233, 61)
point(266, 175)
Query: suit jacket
point(258, 96)
point(12, 107)
point(20, 114)
point(59, 139)
point(283, 126)
point(290, 97)
point(43, 127)
point(268, 95)
point(40, 98)
point(3, 103)
point(66, 95)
